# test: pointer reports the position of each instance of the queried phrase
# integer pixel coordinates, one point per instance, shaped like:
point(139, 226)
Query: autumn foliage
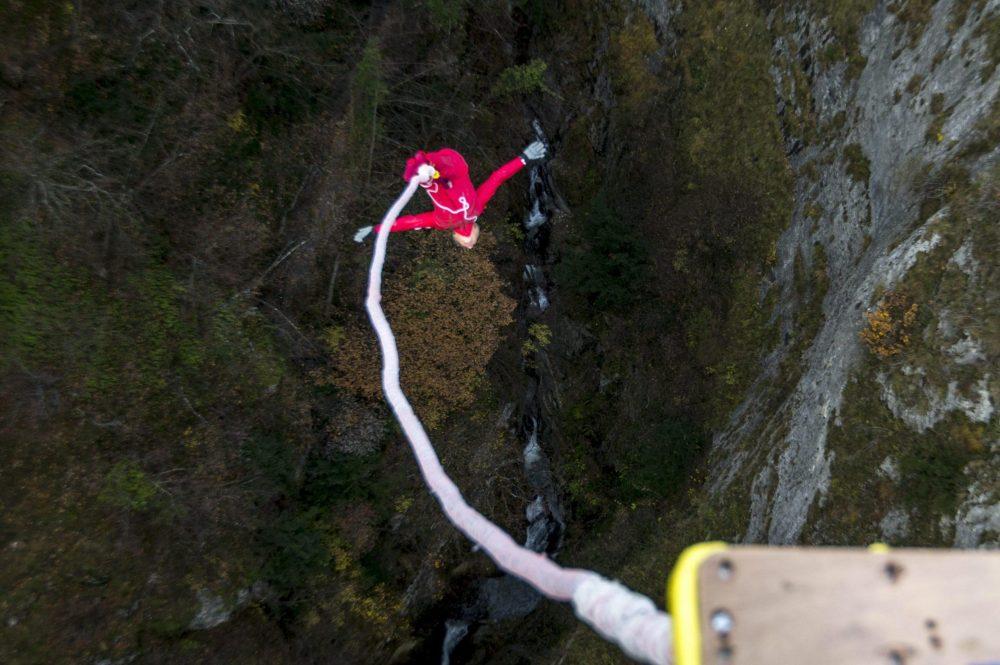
point(447, 310)
point(890, 325)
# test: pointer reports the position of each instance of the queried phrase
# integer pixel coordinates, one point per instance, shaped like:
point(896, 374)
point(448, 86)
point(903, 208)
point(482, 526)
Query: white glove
point(534, 153)
point(362, 233)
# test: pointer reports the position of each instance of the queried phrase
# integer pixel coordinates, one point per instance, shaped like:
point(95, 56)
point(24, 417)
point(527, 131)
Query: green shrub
point(989, 29)
point(858, 166)
point(932, 470)
point(368, 90)
point(914, 14)
point(583, 422)
point(337, 478)
point(108, 99)
point(522, 79)
point(276, 100)
point(127, 486)
point(937, 187)
point(660, 458)
point(43, 22)
point(940, 116)
point(608, 269)
point(38, 296)
point(143, 339)
point(844, 19)
point(986, 133)
point(295, 547)
point(540, 13)
point(539, 337)
point(271, 456)
point(632, 50)
point(937, 103)
point(446, 15)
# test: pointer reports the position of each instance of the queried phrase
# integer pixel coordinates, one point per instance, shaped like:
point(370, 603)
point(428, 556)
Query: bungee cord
point(618, 614)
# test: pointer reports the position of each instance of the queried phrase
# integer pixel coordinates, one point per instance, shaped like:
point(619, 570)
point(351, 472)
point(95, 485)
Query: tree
point(448, 312)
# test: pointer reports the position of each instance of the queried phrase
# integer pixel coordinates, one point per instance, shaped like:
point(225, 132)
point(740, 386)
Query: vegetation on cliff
point(179, 182)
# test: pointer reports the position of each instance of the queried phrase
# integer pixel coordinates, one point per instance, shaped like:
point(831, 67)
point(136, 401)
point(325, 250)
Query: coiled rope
point(620, 615)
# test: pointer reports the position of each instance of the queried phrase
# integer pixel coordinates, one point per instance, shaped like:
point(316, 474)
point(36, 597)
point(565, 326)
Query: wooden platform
point(818, 606)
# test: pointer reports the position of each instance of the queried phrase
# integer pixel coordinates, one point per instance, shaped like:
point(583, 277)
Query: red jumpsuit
point(457, 204)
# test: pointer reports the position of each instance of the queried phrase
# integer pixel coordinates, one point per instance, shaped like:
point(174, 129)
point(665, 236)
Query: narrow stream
point(506, 597)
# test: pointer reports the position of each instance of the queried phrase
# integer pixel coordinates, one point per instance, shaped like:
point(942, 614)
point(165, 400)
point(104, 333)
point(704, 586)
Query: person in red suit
point(457, 203)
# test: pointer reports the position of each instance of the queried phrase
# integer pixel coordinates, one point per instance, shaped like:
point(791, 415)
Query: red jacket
point(457, 204)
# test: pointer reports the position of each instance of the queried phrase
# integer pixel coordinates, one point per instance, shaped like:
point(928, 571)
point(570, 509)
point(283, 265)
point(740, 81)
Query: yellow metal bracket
point(682, 595)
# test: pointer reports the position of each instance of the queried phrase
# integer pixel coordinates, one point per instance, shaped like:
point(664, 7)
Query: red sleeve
point(510, 168)
point(497, 178)
point(424, 220)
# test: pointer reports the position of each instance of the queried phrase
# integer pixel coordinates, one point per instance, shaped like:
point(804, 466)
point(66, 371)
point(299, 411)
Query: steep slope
point(860, 346)
point(895, 194)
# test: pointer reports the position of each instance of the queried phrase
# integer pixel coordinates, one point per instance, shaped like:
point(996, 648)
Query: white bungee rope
point(618, 614)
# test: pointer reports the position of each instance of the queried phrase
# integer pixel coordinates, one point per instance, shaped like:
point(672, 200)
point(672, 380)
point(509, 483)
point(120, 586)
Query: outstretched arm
point(489, 187)
point(424, 220)
point(534, 153)
point(408, 222)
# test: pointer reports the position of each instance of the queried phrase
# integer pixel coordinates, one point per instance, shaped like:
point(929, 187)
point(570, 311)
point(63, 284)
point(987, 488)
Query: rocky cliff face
point(895, 193)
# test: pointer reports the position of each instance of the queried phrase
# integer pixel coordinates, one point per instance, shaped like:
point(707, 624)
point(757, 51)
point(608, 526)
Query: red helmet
point(414, 163)
point(446, 161)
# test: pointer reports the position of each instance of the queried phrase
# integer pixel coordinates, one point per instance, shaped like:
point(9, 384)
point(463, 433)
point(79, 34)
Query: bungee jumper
point(457, 203)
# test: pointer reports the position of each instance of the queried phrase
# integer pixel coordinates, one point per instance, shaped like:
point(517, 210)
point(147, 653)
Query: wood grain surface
point(819, 606)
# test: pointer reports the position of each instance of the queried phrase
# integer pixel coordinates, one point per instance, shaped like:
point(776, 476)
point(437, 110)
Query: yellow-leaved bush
point(890, 325)
point(447, 309)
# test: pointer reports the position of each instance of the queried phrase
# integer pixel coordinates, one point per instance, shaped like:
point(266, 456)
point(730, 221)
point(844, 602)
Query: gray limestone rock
point(870, 231)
